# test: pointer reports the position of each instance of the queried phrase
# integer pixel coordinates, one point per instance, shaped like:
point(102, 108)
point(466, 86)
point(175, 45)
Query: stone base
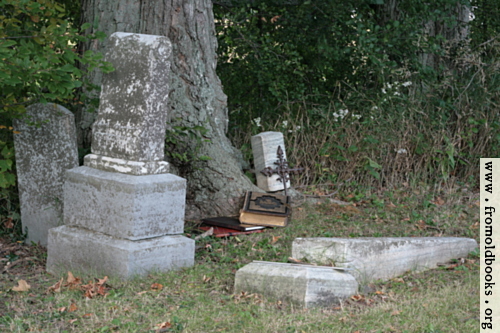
point(80, 250)
point(124, 206)
point(373, 258)
point(302, 285)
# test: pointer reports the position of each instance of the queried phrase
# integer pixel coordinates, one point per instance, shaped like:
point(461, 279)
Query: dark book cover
point(230, 223)
point(265, 209)
point(266, 203)
point(226, 232)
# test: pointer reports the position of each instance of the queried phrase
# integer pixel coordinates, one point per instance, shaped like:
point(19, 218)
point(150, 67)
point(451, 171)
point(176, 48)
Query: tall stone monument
point(45, 148)
point(123, 211)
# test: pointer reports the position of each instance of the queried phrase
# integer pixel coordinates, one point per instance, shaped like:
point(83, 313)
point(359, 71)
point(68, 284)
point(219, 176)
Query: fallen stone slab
point(303, 285)
point(83, 250)
point(373, 258)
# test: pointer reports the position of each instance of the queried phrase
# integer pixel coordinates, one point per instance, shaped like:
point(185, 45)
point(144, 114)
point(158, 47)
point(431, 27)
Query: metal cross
point(282, 169)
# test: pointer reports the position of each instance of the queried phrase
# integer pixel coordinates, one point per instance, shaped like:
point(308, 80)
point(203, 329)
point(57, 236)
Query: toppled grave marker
point(373, 258)
point(303, 285)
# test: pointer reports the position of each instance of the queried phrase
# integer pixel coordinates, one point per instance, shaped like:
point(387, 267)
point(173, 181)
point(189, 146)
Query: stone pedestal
point(120, 225)
point(124, 206)
point(82, 250)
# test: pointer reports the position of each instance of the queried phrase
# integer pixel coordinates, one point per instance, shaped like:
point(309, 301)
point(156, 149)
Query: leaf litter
point(92, 289)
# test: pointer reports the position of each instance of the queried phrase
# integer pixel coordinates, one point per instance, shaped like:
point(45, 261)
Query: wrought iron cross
point(282, 169)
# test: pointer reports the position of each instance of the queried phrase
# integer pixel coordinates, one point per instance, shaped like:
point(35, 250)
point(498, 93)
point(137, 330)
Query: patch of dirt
point(19, 261)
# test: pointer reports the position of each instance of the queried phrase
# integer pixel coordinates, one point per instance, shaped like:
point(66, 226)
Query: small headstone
point(45, 148)
point(265, 147)
point(303, 285)
point(124, 213)
point(373, 258)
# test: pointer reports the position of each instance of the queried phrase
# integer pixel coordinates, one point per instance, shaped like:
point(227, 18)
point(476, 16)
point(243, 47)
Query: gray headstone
point(265, 148)
point(44, 151)
point(129, 132)
point(304, 285)
point(372, 258)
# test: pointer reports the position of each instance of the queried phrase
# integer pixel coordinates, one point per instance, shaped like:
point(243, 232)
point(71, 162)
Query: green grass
point(201, 299)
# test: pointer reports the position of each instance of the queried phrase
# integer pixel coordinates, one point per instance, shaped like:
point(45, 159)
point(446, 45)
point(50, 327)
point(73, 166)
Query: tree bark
point(454, 35)
point(196, 99)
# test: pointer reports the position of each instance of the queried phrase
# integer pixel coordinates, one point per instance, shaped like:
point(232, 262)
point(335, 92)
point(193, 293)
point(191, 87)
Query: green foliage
point(309, 50)
point(39, 62)
point(395, 93)
point(182, 147)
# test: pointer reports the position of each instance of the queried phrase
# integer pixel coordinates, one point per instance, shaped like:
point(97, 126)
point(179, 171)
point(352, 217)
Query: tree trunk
point(196, 99)
point(453, 34)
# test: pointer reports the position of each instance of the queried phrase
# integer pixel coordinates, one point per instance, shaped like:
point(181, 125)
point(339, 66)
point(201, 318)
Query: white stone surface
point(132, 117)
point(124, 166)
point(124, 206)
point(45, 148)
point(264, 148)
point(304, 285)
point(373, 258)
point(81, 250)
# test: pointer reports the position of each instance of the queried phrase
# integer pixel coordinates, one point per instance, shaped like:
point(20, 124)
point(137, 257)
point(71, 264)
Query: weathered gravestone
point(45, 148)
point(303, 285)
point(123, 211)
point(265, 147)
point(372, 258)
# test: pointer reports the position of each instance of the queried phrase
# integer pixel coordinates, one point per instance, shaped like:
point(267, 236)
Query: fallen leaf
point(71, 278)
point(102, 281)
point(378, 292)
point(474, 226)
point(207, 233)
point(421, 225)
point(142, 292)
point(275, 18)
point(62, 309)
point(438, 201)
point(72, 282)
point(56, 288)
point(8, 223)
point(206, 279)
point(22, 286)
point(93, 289)
point(395, 313)
point(72, 307)
point(71, 321)
point(275, 239)
point(165, 324)
point(156, 286)
point(357, 298)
